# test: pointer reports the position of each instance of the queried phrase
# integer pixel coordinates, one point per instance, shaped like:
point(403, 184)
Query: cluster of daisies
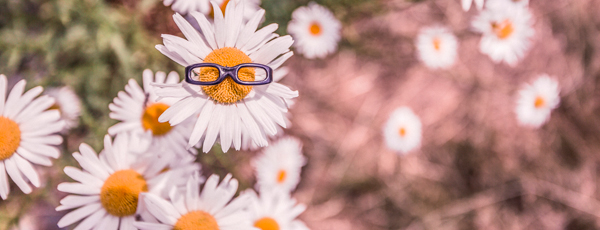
point(506, 27)
point(147, 177)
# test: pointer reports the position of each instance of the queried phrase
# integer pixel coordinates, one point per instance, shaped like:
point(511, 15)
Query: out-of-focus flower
point(228, 110)
point(536, 101)
point(68, 103)
point(109, 186)
point(507, 30)
point(211, 209)
point(402, 132)
point(466, 4)
point(27, 134)
point(279, 166)
point(437, 47)
point(138, 110)
point(315, 30)
point(275, 210)
point(204, 6)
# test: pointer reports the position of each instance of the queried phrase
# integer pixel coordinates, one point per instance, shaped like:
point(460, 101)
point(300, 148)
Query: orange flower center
point(227, 91)
point(10, 137)
point(150, 119)
point(120, 192)
point(503, 30)
point(315, 28)
point(223, 6)
point(539, 102)
point(266, 223)
point(281, 175)
point(402, 132)
point(437, 44)
point(196, 220)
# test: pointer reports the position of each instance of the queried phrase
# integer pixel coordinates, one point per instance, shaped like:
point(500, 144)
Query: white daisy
point(109, 186)
point(68, 103)
point(27, 134)
point(204, 6)
point(190, 209)
point(524, 3)
point(466, 4)
point(138, 110)
point(402, 132)
point(275, 211)
point(279, 165)
point(316, 31)
point(507, 29)
point(228, 111)
point(437, 47)
point(536, 101)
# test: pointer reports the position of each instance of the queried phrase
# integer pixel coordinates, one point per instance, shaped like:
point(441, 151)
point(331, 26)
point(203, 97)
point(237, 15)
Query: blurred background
point(476, 169)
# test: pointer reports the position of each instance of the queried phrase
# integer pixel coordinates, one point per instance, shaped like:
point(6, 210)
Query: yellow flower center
point(315, 29)
point(402, 132)
point(503, 30)
point(228, 91)
point(436, 44)
point(223, 6)
point(196, 220)
point(266, 223)
point(539, 102)
point(150, 119)
point(119, 194)
point(281, 176)
point(55, 106)
point(10, 137)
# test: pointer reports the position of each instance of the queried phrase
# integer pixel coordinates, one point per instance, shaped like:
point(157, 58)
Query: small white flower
point(210, 209)
point(275, 210)
point(138, 109)
point(228, 112)
point(466, 4)
point(204, 6)
point(68, 103)
point(109, 186)
point(437, 47)
point(316, 31)
point(27, 135)
point(402, 132)
point(279, 166)
point(536, 101)
point(507, 30)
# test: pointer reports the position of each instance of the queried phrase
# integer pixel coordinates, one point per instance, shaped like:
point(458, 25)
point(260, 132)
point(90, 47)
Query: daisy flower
point(402, 132)
point(437, 47)
point(536, 101)
point(67, 103)
point(507, 29)
point(138, 109)
point(315, 29)
point(109, 186)
point(275, 211)
point(190, 209)
point(27, 135)
point(228, 111)
point(204, 6)
point(279, 165)
point(466, 4)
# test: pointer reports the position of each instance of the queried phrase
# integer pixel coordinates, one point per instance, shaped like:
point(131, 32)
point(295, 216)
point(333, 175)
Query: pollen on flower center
point(437, 44)
point(150, 119)
point(10, 137)
point(315, 28)
point(402, 132)
point(196, 220)
point(120, 192)
point(266, 223)
point(503, 30)
point(223, 6)
point(228, 91)
point(539, 102)
point(281, 175)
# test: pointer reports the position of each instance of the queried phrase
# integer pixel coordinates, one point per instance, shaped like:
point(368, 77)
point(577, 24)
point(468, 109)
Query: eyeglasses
point(243, 74)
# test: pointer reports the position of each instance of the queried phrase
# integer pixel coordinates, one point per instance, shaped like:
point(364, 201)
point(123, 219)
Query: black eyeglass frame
point(225, 72)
